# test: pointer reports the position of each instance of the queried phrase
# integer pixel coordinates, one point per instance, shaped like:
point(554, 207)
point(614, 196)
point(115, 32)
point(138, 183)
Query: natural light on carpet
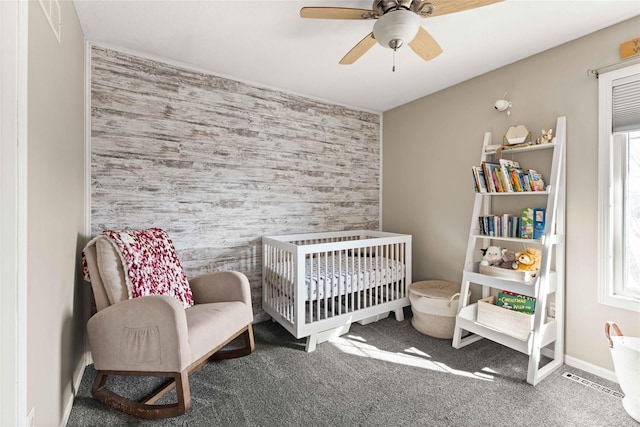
point(357, 346)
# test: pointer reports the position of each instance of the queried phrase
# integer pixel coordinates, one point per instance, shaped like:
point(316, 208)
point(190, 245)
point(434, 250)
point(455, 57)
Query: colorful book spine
point(524, 178)
point(482, 182)
point(538, 222)
point(500, 184)
point(481, 226)
point(515, 180)
point(508, 167)
point(507, 179)
point(536, 181)
point(526, 225)
point(491, 188)
point(476, 184)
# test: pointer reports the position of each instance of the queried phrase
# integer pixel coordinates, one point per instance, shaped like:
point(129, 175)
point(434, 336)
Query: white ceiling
point(268, 44)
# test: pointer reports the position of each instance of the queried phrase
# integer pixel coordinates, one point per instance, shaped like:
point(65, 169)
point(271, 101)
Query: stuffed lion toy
point(529, 260)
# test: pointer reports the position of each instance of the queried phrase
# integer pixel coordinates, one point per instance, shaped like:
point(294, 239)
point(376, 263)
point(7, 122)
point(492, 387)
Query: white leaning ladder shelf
point(545, 342)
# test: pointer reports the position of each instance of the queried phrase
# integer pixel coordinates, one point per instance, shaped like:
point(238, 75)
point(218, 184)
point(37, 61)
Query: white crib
point(315, 285)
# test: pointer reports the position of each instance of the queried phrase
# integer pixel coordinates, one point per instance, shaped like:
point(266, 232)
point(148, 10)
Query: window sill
point(626, 303)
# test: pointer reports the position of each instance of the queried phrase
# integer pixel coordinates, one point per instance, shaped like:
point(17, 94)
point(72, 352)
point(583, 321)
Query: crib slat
point(368, 267)
point(379, 272)
point(328, 282)
point(340, 291)
point(274, 281)
point(290, 286)
point(312, 279)
point(354, 282)
point(361, 295)
point(395, 273)
point(375, 260)
point(387, 273)
point(278, 279)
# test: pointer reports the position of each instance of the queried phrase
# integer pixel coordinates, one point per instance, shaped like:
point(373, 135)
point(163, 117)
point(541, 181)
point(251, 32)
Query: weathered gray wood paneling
point(219, 163)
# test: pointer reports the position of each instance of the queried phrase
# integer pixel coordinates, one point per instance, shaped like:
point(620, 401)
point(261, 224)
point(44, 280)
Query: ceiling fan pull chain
point(393, 69)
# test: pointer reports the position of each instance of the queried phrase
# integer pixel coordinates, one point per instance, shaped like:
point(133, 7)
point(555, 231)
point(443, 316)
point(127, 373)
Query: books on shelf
point(504, 225)
point(479, 179)
point(492, 183)
point(506, 176)
point(529, 225)
point(535, 178)
point(507, 169)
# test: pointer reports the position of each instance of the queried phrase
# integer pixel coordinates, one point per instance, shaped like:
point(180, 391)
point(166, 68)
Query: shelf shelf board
point(515, 193)
point(506, 239)
point(499, 283)
point(524, 149)
point(467, 320)
point(529, 289)
point(554, 239)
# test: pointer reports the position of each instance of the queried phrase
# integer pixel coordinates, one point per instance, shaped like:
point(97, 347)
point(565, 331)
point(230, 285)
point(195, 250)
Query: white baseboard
point(75, 386)
point(591, 368)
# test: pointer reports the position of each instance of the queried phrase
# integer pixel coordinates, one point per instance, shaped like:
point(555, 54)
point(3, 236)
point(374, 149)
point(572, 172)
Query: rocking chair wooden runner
point(156, 336)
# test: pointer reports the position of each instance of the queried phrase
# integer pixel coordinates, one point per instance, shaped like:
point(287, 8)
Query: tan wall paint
point(55, 319)
point(429, 146)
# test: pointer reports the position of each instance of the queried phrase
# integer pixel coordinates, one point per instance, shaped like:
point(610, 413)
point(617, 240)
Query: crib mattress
point(325, 278)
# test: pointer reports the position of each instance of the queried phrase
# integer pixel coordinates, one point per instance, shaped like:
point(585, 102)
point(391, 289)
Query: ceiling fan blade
point(358, 50)
point(425, 45)
point(337, 13)
point(443, 7)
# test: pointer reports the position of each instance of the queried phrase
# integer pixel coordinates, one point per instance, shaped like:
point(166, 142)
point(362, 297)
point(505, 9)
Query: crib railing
point(325, 278)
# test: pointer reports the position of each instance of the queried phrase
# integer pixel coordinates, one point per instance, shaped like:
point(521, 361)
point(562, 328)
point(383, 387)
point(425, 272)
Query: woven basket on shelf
point(510, 322)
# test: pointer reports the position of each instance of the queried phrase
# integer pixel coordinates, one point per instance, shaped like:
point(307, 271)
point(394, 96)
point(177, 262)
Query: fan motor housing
point(420, 7)
point(396, 28)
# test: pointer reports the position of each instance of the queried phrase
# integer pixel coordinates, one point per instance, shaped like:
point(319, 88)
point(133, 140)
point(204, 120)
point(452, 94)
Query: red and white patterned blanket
point(151, 265)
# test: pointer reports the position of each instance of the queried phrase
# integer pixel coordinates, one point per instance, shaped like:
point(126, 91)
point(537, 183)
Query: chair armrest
point(221, 286)
point(146, 334)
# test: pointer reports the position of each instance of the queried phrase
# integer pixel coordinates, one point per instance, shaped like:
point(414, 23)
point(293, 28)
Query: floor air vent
point(593, 385)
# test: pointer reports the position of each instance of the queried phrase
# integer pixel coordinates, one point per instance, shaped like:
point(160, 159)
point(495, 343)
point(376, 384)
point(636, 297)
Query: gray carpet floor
point(381, 374)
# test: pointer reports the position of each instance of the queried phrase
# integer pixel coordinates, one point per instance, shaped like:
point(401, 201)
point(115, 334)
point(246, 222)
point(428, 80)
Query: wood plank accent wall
point(218, 163)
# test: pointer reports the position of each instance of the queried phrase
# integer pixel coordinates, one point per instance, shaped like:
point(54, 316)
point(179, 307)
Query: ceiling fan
point(398, 23)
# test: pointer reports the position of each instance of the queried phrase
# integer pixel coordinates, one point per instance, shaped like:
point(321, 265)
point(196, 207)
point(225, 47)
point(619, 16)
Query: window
point(619, 188)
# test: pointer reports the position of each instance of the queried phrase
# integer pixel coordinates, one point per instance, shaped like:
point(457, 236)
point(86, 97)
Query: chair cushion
point(111, 271)
point(210, 325)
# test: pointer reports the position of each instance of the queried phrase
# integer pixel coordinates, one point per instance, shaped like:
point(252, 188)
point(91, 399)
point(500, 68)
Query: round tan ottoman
point(434, 304)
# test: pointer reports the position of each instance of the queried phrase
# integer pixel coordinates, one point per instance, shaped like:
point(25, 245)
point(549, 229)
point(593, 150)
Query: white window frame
point(610, 235)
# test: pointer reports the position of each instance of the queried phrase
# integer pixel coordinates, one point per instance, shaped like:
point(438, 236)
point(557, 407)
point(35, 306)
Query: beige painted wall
point(55, 319)
point(429, 146)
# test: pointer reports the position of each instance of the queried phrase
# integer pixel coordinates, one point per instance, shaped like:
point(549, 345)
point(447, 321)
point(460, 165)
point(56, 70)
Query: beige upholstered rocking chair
point(156, 336)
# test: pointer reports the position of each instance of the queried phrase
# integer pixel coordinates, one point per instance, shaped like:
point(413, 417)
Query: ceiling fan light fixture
point(396, 28)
